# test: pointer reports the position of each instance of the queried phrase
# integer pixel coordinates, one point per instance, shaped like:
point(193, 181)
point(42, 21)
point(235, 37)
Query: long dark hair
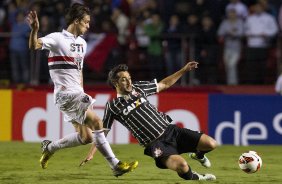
point(76, 11)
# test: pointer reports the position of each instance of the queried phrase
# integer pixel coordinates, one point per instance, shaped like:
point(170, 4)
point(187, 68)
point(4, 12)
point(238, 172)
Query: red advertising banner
point(186, 109)
point(22, 102)
point(35, 117)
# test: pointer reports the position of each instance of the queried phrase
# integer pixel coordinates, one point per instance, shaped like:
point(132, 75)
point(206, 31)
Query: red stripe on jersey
point(60, 58)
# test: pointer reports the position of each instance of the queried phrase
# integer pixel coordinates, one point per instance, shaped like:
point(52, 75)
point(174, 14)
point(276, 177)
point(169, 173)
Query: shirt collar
point(68, 34)
point(125, 96)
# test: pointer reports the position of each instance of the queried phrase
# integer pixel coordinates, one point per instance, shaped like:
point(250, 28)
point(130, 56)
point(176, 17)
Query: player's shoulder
point(144, 83)
point(111, 102)
point(140, 83)
point(54, 35)
point(81, 39)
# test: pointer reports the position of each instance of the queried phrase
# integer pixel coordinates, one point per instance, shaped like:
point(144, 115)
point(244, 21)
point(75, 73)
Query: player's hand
point(32, 20)
point(88, 158)
point(191, 65)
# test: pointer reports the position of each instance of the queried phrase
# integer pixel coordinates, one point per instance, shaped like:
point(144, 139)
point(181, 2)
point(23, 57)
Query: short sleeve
point(148, 87)
point(48, 41)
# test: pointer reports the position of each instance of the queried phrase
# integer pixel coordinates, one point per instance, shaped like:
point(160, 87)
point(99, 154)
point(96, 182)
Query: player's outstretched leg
point(46, 154)
point(123, 167)
point(204, 161)
point(192, 175)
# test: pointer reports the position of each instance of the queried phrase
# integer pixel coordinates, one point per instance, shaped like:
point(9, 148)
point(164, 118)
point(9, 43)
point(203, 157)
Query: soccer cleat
point(205, 177)
point(204, 161)
point(123, 167)
point(46, 155)
point(133, 165)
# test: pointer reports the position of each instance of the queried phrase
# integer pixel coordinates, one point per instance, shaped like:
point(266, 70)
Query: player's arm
point(170, 80)
point(90, 154)
point(34, 42)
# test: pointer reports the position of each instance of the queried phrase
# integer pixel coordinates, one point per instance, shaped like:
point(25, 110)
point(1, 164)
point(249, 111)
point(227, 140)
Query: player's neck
point(73, 30)
point(122, 93)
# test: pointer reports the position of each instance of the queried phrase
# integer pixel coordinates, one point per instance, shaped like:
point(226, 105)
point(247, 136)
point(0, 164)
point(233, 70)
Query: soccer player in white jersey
point(65, 61)
point(163, 141)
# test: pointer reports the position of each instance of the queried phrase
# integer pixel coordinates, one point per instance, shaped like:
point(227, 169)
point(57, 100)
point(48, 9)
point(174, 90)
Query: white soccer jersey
point(65, 60)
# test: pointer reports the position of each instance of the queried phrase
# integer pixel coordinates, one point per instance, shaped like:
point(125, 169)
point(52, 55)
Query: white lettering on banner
point(56, 128)
point(253, 125)
point(276, 123)
point(51, 115)
point(236, 126)
point(188, 118)
point(154, 100)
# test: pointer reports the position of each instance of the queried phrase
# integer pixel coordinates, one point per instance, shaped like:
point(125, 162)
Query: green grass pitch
point(19, 165)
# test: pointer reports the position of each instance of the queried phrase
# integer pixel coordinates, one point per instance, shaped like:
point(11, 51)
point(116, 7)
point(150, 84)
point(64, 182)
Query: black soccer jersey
point(135, 112)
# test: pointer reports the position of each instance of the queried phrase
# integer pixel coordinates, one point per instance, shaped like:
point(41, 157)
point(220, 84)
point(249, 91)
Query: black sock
point(189, 175)
point(200, 154)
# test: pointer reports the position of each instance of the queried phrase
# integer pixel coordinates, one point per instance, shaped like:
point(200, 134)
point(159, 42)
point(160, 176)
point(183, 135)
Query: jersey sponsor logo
point(75, 47)
point(133, 105)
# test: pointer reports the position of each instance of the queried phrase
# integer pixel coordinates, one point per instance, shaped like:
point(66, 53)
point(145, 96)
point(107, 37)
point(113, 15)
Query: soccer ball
point(250, 162)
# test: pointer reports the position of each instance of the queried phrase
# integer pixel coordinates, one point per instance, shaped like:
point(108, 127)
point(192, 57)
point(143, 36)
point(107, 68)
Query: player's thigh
point(206, 143)
point(187, 140)
point(92, 120)
point(84, 132)
point(175, 162)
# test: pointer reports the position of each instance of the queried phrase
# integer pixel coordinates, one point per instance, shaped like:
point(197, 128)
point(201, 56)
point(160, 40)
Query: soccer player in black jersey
point(163, 141)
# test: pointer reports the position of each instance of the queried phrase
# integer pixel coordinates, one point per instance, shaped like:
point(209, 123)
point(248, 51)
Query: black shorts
point(174, 141)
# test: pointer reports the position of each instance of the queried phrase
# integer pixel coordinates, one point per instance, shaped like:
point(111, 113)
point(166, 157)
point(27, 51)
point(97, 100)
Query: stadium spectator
point(142, 39)
point(45, 28)
point(4, 50)
point(58, 15)
point(103, 10)
point(190, 30)
point(121, 22)
point(155, 57)
point(65, 61)
point(260, 29)
point(241, 9)
point(173, 42)
point(230, 33)
point(207, 51)
point(19, 53)
point(153, 130)
point(269, 8)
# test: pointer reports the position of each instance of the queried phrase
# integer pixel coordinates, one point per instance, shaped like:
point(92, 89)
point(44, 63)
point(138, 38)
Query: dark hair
point(76, 11)
point(112, 76)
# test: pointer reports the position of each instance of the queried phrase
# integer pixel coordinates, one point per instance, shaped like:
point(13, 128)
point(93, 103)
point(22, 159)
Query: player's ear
point(76, 21)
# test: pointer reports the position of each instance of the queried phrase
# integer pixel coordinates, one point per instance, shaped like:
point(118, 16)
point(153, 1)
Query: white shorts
point(74, 105)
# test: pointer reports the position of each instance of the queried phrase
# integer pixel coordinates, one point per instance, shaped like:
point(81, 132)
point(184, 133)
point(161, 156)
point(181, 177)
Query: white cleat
point(205, 177)
point(204, 161)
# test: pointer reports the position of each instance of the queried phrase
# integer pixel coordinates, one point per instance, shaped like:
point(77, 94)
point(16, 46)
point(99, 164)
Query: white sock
point(71, 140)
point(104, 147)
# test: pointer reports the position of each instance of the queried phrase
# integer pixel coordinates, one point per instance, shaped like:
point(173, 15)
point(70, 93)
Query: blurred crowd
point(235, 41)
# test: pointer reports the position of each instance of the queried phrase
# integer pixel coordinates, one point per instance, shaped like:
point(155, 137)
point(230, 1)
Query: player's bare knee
point(87, 139)
point(182, 167)
point(212, 144)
